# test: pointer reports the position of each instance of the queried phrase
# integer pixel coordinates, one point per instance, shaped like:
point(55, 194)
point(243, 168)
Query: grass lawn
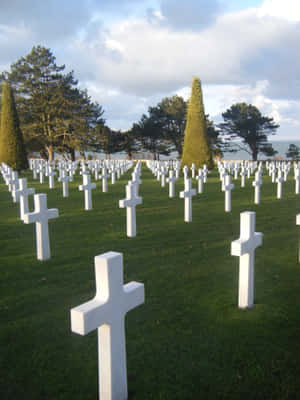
point(189, 340)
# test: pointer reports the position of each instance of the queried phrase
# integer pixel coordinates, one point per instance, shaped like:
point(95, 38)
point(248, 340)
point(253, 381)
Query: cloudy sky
point(130, 54)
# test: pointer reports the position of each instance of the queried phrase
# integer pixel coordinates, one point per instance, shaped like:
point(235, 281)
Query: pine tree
point(12, 149)
point(196, 147)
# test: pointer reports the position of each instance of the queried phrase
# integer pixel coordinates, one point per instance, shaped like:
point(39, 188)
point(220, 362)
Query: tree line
point(56, 116)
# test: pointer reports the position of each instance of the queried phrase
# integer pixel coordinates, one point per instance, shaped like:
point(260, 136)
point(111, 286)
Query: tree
point(293, 152)
point(173, 120)
point(149, 132)
point(105, 140)
point(129, 143)
point(12, 149)
point(196, 147)
point(244, 121)
point(55, 115)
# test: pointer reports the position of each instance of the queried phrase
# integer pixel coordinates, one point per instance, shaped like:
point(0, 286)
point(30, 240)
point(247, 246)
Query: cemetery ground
point(189, 340)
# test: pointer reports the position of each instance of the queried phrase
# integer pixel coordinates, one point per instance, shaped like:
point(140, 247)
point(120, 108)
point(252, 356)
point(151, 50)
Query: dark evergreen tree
point(55, 115)
point(12, 149)
point(293, 152)
point(196, 148)
point(245, 122)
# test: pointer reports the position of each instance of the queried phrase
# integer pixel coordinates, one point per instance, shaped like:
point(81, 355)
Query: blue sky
point(130, 54)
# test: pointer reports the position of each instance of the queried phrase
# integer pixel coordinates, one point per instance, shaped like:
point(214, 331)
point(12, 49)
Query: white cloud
point(287, 9)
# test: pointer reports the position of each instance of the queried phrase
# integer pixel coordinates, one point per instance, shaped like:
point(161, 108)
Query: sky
point(130, 54)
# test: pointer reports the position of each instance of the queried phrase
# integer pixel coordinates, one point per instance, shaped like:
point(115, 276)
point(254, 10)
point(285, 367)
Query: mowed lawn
point(189, 340)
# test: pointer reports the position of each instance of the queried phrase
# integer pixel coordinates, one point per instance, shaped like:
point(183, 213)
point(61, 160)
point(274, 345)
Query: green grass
point(189, 340)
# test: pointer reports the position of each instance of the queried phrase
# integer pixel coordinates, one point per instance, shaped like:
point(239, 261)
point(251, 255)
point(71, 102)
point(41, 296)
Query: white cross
point(87, 187)
point(22, 194)
point(257, 184)
point(243, 173)
point(185, 170)
point(104, 177)
point(187, 195)
point(228, 186)
point(205, 172)
point(65, 183)
point(106, 312)
point(244, 248)
point(200, 179)
point(40, 216)
point(297, 179)
point(14, 185)
point(171, 179)
point(193, 168)
point(279, 181)
point(41, 172)
point(163, 173)
point(131, 201)
point(51, 174)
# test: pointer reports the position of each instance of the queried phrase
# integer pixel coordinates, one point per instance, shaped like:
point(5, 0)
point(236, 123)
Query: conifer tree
point(196, 147)
point(12, 149)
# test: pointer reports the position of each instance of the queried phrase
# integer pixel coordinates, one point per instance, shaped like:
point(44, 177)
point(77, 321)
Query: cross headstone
point(200, 179)
point(22, 193)
point(171, 179)
point(243, 174)
point(104, 177)
point(297, 180)
point(87, 186)
point(106, 313)
point(40, 216)
point(187, 195)
point(65, 183)
point(51, 174)
point(193, 168)
point(14, 185)
point(279, 181)
point(244, 248)
point(228, 186)
point(131, 201)
point(257, 184)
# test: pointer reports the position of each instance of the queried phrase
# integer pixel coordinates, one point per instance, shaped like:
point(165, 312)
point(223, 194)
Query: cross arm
point(134, 293)
point(85, 318)
point(243, 246)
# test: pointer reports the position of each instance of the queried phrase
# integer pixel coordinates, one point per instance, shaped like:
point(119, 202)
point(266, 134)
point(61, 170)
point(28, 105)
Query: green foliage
point(293, 152)
point(12, 149)
point(55, 115)
point(149, 132)
point(196, 147)
point(244, 121)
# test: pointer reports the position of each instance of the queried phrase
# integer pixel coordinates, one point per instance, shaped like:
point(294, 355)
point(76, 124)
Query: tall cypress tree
point(12, 149)
point(196, 146)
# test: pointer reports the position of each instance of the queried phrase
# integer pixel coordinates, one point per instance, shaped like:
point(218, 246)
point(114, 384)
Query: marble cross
point(257, 184)
point(64, 178)
point(171, 180)
point(104, 177)
point(51, 174)
point(187, 195)
point(200, 179)
point(131, 201)
point(279, 181)
point(106, 313)
point(243, 174)
point(244, 248)
point(228, 186)
point(22, 193)
point(297, 179)
point(87, 187)
point(40, 216)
